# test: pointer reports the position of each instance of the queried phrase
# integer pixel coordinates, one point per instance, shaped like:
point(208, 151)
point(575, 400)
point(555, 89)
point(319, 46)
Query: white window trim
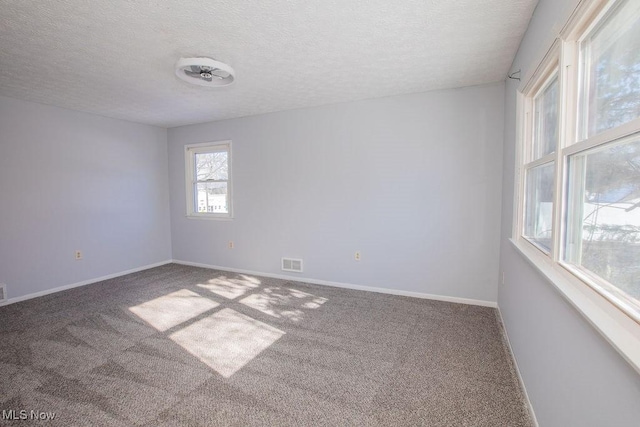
point(533, 84)
point(189, 155)
point(620, 328)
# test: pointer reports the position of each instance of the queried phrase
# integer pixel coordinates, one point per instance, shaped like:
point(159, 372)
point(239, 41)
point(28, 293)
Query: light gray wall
point(572, 375)
point(413, 182)
point(74, 181)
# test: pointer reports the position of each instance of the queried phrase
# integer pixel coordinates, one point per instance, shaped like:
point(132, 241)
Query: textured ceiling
point(116, 57)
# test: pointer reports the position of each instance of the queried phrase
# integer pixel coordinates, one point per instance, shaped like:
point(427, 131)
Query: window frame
point(618, 322)
point(190, 151)
point(548, 70)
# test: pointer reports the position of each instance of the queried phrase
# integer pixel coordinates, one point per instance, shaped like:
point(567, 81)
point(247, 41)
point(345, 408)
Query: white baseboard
point(345, 285)
point(83, 283)
point(515, 364)
point(457, 300)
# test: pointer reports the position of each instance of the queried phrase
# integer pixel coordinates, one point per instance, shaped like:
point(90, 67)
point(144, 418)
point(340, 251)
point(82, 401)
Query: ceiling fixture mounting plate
point(204, 72)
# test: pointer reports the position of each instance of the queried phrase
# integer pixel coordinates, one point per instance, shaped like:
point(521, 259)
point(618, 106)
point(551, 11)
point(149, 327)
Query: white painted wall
point(74, 181)
point(572, 375)
point(413, 182)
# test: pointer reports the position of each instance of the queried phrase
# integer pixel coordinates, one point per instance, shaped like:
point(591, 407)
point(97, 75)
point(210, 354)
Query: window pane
point(603, 233)
point(545, 132)
point(212, 166)
point(612, 71)
point(539, 205)
point(211, 197)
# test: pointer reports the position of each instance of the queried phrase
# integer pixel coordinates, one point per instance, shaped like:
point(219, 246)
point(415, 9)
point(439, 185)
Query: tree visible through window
point(604, 230)
point(208, 182)
point(212, 174)
point(587, 148)
point(611, 58)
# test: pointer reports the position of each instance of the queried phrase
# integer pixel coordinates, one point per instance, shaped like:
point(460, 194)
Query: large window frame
point(607, 310)
point(191, 179)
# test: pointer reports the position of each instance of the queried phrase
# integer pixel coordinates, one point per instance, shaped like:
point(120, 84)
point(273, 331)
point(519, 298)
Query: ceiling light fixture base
point(204, 71)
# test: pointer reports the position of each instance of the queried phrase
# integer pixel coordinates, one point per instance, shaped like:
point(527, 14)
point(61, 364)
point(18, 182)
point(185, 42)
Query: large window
point(208, 178)
point(579, 190)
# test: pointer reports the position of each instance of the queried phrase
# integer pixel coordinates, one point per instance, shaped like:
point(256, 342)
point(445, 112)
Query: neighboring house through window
point(208, 179)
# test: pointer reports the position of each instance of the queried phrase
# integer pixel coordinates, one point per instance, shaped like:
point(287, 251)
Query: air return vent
point(3, 292)
point(290, 264)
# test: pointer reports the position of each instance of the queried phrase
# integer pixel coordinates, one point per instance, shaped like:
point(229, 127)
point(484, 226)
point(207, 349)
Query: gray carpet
point(178, 345)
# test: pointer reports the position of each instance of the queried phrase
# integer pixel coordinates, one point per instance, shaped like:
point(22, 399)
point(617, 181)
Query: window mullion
point(574, 224)
point(566, 136)
point(557, 208)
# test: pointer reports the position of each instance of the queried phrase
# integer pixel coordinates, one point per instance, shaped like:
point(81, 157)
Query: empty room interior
point(320, 213)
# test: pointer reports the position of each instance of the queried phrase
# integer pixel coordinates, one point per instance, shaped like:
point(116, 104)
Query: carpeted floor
point(179, 345)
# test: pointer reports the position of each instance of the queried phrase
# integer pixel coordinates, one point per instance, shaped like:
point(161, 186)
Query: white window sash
point(191, 179)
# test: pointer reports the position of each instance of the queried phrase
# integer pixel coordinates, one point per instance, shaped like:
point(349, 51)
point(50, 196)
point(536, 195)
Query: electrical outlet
point(356, 256)
point(78, 255)
point(230, 244)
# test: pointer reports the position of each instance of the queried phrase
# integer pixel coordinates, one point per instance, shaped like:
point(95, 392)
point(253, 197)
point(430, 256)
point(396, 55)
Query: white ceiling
point(116, 57)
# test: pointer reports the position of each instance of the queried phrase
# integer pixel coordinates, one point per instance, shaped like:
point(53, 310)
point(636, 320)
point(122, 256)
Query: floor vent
point(3, 292)
point(290, 264)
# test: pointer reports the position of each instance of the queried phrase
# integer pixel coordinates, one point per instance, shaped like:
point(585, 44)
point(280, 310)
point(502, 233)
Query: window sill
point(207, 217)
point(621, 331)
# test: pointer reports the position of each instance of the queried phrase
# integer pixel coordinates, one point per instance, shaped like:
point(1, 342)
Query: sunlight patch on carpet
point(172, 309)
point(227, 340)
point(231, 288)
point(283, 302)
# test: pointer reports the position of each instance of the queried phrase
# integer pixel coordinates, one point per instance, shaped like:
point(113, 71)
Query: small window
point(208, 179)
point(539, 170)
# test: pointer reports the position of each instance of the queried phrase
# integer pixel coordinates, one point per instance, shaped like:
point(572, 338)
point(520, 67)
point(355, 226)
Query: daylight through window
point(579, 201)
point(208, 174)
